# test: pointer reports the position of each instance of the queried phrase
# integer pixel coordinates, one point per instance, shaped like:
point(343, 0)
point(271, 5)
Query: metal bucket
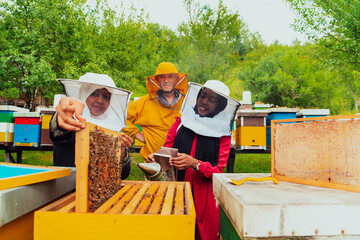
point(152, 171)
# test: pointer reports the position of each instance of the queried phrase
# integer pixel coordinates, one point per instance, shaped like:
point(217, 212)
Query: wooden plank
point(189, 202)
point(125, 199)
point(146, 201)
point(321, 151)
point(179, 200)
point(131, 206)
point(60, 203)
point(273, 130)
point(82, 164)
point(68, 208)
point(169, 200)
point(21, 228)
point(159, 197)
point(75, 226)
point(114, 199)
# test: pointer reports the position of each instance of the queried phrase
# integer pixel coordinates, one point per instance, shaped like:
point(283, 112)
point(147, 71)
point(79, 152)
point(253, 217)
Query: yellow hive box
point(45, 121)
point(139, 210)
point(251, 137)
point(6, 137)
point(6, 132)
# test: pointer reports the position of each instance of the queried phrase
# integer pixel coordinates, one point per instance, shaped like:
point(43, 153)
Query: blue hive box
point(27, 129)
point(277, 114)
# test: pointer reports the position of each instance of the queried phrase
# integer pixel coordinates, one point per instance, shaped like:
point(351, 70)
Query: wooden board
point(98, 164)
point(321, 151)
point(15, 175)
point(139, 210)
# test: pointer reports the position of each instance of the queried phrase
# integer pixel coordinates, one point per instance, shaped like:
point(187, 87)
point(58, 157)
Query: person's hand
point(126, 142)
point(140, 136)
point(66, 108)
point(150, 158)
point(183, 161)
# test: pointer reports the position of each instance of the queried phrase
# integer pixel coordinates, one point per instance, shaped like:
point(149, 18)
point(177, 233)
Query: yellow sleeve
point(132, 114)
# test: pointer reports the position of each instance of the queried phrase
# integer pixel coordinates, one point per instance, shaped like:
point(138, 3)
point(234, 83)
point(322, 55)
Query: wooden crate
point(321, 151)
point(140, 210)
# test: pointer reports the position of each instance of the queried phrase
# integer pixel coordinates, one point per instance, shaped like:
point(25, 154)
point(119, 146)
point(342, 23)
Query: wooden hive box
point(7, 123)
point(45, 128)
point(27, 129)
point(140, 210)
point(251, 129)
point(321, 151)
point(104, 207)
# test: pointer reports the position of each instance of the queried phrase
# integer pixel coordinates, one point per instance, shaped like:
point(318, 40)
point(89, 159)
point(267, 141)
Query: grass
point(40, 158)
point(244, 163)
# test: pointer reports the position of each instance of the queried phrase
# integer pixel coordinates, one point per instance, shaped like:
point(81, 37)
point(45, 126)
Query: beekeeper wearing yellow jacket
point(156, 111)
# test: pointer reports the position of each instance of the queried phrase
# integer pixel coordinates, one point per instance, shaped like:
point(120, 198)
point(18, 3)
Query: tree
point(289, 76)
point(335, 26)
point(212, 41)
point(39, 39)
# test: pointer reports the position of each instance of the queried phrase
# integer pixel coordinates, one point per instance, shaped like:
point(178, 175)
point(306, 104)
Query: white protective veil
point(215, 126)
point(115, 115)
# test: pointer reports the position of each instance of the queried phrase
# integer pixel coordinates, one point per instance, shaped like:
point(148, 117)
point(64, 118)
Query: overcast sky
point(271, 18)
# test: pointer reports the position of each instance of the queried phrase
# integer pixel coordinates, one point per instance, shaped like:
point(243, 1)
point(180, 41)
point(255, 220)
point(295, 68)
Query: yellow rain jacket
point(154, 118)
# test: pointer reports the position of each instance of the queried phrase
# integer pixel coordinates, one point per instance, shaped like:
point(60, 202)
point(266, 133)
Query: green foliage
point(42, 40)
point(335, 27)
point(210, 40)
point(292, 77)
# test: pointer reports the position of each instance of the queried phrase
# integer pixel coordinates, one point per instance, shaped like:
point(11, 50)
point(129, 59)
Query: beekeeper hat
point(96, 78)
point(216, 126)
point(114, 117)
point(218, 87)
point(165, 68)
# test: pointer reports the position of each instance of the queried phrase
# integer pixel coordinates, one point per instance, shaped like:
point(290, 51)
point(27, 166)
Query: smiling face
point(207, 102)
point(98, 101)
point(167, 81)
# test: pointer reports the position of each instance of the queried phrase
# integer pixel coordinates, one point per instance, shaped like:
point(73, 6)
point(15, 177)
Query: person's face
point(98, 101)
point(207, 102)
point(167, 81)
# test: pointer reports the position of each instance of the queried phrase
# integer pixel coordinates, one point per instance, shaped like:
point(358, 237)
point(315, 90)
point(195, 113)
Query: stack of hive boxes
point(7, 123)
point(27, 129)
point(251, 129)
point(307, 113)
point(45, 117)
point(278, 114)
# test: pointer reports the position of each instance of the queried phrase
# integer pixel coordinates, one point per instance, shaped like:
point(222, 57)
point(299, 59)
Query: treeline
point(42, 40)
